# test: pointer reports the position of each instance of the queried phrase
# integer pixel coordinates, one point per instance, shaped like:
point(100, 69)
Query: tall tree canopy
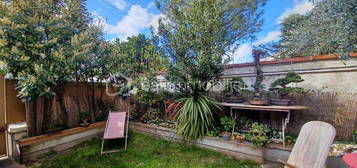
point(138, 55)
point(330, 28)
point(46, 44)
point(197, 34)
point(34, 39)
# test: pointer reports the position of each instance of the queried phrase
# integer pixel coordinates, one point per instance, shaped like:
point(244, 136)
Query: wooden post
point(30, 118)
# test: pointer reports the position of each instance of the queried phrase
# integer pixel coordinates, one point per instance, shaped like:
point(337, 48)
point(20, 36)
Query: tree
point(35, 37)
point(138, 55)
point(330, 28)
point(91, 60)
point(196, 35)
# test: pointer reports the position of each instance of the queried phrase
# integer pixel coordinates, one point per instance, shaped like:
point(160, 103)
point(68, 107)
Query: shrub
point(258, 134)
point(227, 123)
point(195, 116)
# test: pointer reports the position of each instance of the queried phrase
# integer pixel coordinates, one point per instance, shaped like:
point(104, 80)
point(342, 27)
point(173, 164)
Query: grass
point(143, 152)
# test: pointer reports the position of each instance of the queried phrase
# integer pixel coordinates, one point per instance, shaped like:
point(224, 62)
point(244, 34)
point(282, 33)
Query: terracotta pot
point(240, 139)
point(259, 102)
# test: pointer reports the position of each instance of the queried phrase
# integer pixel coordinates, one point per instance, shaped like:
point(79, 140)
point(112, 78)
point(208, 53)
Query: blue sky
point(124, 18)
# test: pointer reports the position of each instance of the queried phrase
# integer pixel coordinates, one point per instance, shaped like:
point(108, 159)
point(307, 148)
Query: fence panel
point(2, 117)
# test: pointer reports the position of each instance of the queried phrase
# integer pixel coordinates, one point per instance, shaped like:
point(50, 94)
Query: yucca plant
point(195, 116)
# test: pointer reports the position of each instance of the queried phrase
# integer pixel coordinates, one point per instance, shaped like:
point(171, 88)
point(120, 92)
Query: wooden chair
point(312, 146)
point(116, 127)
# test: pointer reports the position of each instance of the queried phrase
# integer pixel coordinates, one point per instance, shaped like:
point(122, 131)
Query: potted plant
point(258, 85)
point(258, 135)
point(281, 88)
point(233, 89)
point(239, 137)
point(83, 118)
point(354, 136)
point(228, 124)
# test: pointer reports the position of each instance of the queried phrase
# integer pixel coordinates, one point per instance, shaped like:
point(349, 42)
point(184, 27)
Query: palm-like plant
point(195, 116)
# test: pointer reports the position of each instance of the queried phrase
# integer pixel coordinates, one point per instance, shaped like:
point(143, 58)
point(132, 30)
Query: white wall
point(325, 75)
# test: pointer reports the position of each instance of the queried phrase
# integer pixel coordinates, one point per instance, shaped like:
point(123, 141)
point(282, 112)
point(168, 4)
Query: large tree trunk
point(40, 112)
point(30, 118)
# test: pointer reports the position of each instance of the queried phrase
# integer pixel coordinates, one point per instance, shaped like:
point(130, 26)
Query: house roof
point(291, 60)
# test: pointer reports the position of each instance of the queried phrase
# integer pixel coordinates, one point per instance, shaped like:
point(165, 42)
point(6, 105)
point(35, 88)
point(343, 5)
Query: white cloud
point(150, 5)
point(242, 53)
point(300, 7)
point(137, 19)
point(98, 20)
point(119, 4)
point(272, 36)
point(155, 21)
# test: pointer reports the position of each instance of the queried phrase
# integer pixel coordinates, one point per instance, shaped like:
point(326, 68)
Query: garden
point(178, 88)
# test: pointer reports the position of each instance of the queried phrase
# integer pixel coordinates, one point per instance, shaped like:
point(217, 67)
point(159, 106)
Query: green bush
point(258, 134)
point(227, 123)
point(235, 86)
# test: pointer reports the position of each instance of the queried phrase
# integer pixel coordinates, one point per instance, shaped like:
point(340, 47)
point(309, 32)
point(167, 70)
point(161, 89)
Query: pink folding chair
point(116, 127)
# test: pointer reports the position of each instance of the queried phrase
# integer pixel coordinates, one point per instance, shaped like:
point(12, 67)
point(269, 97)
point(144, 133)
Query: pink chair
point(116, 127)
point(350, 159)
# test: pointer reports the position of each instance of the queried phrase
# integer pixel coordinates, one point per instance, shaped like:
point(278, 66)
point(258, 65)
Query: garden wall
point(326, 72)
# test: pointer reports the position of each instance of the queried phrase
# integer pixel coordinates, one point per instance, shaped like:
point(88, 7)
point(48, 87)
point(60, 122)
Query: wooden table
point(284, 109)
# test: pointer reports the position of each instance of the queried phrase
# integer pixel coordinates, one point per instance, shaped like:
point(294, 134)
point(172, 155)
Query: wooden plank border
point(59, 134)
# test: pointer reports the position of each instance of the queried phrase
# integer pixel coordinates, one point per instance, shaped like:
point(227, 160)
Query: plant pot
point(226, 136)
point(280, 102)
point(258, 102)
point(354, 138)
point(84, 124)
point(233, 99)
point(240, 139)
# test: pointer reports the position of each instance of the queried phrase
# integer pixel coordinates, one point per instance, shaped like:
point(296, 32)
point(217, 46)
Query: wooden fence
point(59, 114)
point(338, 109)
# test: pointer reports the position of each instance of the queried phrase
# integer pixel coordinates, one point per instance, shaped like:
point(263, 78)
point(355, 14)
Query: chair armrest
point(286, 164)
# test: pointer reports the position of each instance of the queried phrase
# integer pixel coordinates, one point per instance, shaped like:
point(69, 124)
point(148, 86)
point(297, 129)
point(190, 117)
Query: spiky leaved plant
point(195, 116)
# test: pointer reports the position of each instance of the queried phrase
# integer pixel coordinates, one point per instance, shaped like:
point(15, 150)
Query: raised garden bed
point(240, 151)
point(33, 147)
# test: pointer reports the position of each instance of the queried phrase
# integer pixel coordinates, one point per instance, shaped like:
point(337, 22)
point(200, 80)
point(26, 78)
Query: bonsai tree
point(234, 87)
point(228, 124)
point(281, 87)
